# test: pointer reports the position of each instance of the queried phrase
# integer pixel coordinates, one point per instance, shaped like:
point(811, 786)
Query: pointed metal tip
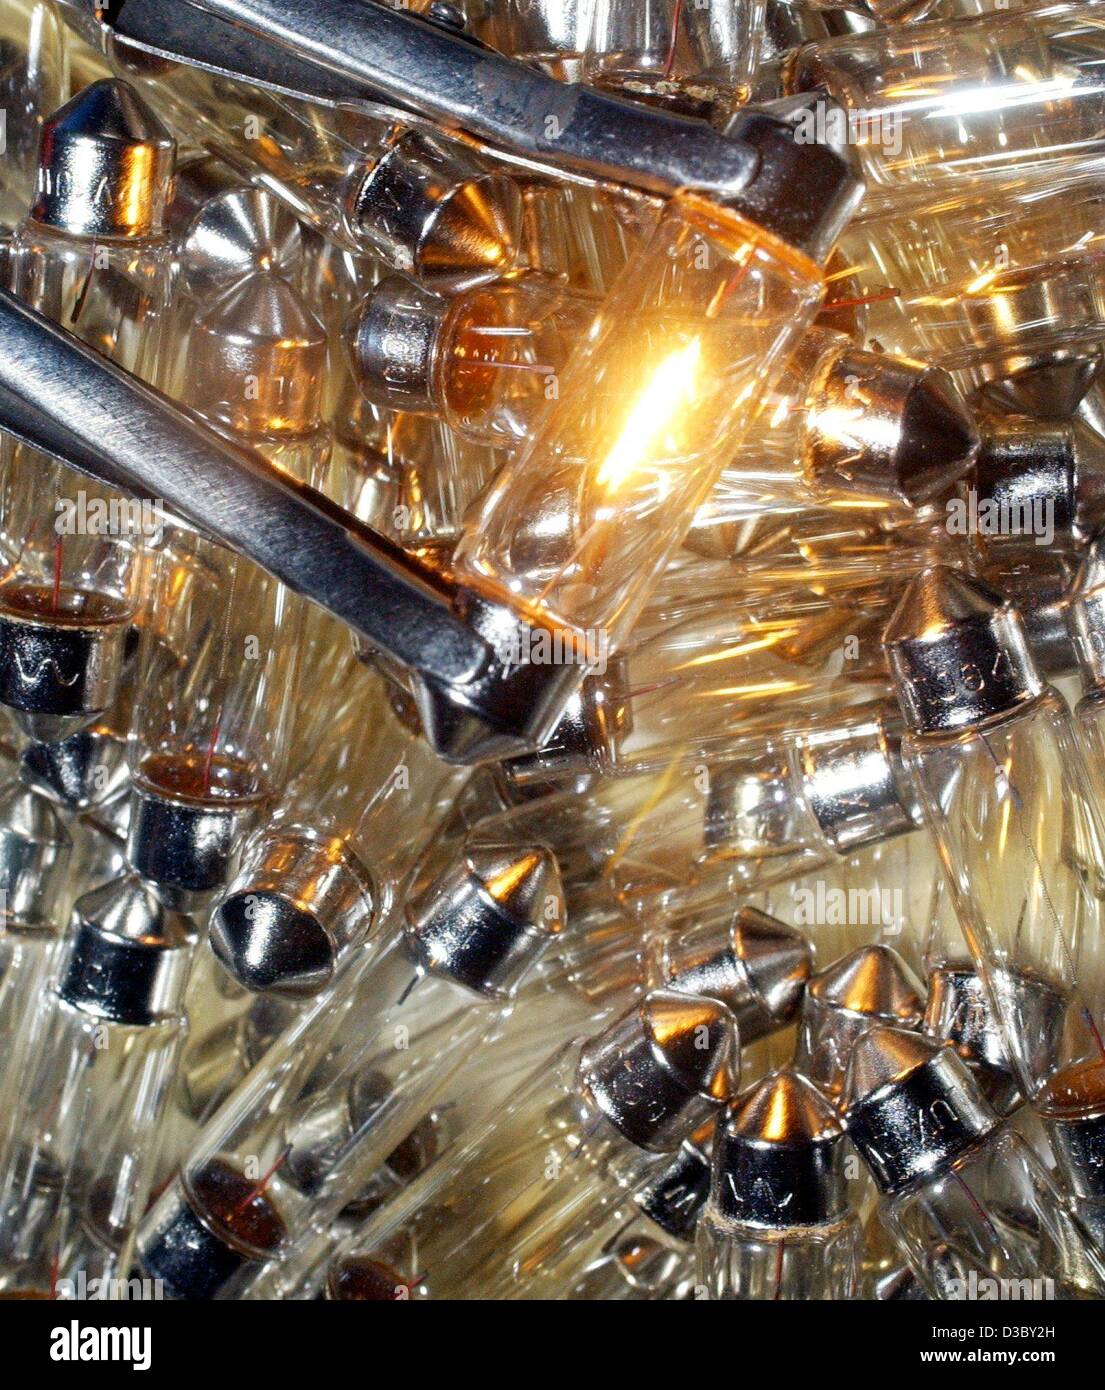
point(784, 1108)
point(938, 441)
point(695, 1040)
point(263, 308)
point(130, 910)
point(523, 883)
point(937, 600)
point(479, 228)
point(230, 231)
point(777, 957)
point(873, 981)
point(86, 770)
point(269, 942)
point(885, 1056)
point(110, 110)
point(1050, 390)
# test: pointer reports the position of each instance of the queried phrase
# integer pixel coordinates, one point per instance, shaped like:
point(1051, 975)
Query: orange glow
point(669, 389)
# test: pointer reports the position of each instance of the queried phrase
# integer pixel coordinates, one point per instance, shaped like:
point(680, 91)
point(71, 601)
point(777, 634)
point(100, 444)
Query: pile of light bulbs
point(525, 629)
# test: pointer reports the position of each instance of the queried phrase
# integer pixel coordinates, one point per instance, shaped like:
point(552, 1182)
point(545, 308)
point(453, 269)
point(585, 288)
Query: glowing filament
point(670, 388)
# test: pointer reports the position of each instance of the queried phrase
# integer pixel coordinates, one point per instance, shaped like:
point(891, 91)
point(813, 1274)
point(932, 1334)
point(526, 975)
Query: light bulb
point(946, 103)
point(92, 256)
point(487, 361)
point(965, 1198)
point(703, 679)
point(577, 527)
point(209, 743)
point(994, 285)
point(778, 1224)
point(323, 870)
point(691, 834)
point(102, 1046)
point(35, 855)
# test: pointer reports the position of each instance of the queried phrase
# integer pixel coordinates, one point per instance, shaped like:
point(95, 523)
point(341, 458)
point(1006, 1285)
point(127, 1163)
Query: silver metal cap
point(488, 917)
point(57, 675)
point(1086, 615)
point(85, 770)
point(803, 193)
point(34, 856)
point(869, 985)
point(911, 1107)
point(208, 1229)
point(885, 426)
point(105, 166)
point(856, 785)
point(674, 1198)
point(958, 653)
point(1045, 379)
point(431, 210)
point(186, 849)
point(958, 1011)
point(1038, 587)
point(129, 957)
point(223, 230)
point(663, 1068)
point(779, 1156)
point(755, 964)
point(297, 904)
point(394, 343)
point(1036, 477)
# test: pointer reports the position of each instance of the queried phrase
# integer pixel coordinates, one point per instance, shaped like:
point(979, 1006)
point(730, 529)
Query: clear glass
point(718, 683)
point(940, 102)
point(34, 81)
point(640, 1263)
point(550, 34)
point(375, 790)
point(500, 356)
point(525, 1206)
point(73, 549)
point(217, 672)
point(77, 1173)
point(676, 50)
point(796, 1264)
point(1013, 810)
point(582, 521)
point(310, 1126)
point(252, 362)
point(682, 838)
point(971, 278)
point(993, 1225)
